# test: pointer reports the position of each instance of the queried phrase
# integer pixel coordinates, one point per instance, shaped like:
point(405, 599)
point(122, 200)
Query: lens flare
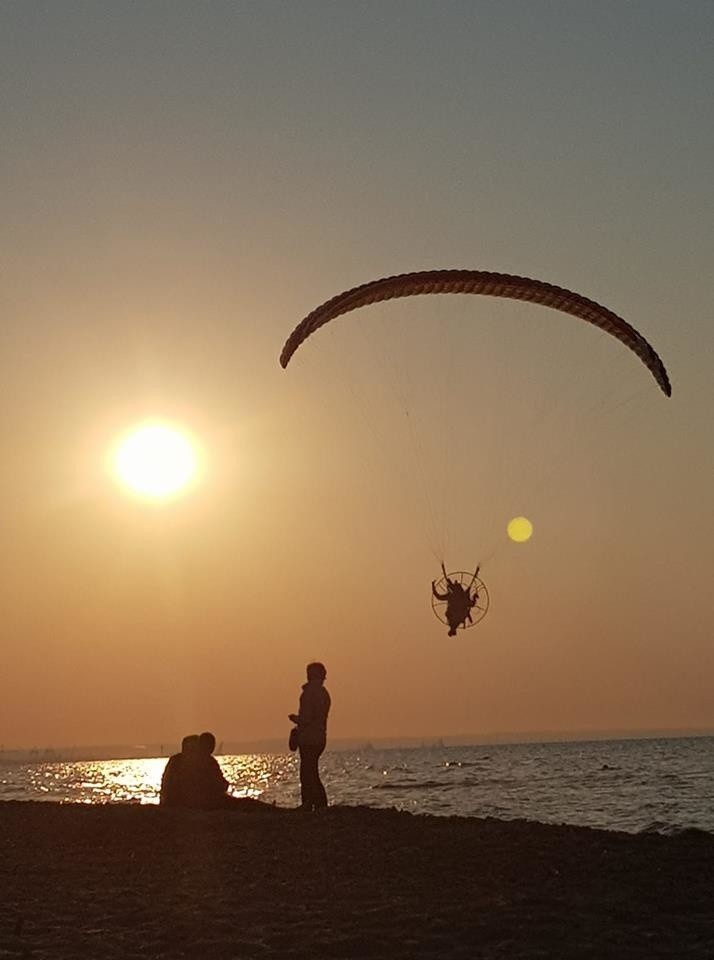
point(520, 529)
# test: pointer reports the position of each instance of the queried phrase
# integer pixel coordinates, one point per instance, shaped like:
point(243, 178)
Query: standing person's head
point(189, 744)
point(207, 742)
point(316, 672)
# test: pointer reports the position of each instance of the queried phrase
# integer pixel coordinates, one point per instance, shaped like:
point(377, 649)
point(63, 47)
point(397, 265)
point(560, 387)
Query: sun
point(156, 460)
point(520, 529)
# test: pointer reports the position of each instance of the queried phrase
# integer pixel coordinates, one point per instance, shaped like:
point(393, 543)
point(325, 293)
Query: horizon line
point(268, 744)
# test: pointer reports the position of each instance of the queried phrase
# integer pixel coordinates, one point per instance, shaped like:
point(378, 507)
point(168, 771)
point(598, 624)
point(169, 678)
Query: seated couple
point(193, 778)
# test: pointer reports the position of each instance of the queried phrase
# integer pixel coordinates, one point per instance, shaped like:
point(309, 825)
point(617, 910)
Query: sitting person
point(193, 777)
point(173, 793)
point(206, 786)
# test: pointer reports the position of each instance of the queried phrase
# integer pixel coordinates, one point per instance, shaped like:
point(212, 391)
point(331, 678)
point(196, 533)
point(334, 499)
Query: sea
point(663, 786)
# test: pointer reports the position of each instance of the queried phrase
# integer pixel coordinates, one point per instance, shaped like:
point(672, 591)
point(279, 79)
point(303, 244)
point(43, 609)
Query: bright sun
point(520, 529)
point(157, 460)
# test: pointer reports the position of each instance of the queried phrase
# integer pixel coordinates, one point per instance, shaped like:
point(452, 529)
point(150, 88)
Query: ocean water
point(632, 785)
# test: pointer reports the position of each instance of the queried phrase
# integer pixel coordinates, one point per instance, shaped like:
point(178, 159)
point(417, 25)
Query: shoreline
point(129, 880)
point(255, 806)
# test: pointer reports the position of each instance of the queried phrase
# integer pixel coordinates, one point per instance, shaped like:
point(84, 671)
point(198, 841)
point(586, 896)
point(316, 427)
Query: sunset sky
point(181, 183)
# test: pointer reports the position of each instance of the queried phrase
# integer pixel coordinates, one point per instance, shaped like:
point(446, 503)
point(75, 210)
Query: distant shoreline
point(348, 744)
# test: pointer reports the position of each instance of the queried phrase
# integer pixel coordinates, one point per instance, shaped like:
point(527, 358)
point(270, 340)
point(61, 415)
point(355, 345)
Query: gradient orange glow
point(181, 185)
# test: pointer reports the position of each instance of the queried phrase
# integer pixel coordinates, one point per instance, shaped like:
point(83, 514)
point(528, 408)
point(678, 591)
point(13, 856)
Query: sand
point(126, 881)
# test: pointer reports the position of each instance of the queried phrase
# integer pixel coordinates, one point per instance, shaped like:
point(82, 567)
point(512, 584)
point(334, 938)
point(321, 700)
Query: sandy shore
point(126, 881)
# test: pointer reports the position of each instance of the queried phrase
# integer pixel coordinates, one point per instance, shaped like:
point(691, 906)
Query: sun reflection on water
point(265, 777)
point(633, 785)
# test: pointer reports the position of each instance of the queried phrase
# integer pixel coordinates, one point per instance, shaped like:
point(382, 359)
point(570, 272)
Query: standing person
point(311, 720)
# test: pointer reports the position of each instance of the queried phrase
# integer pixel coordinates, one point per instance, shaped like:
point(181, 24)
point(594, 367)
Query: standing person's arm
point(306, 710)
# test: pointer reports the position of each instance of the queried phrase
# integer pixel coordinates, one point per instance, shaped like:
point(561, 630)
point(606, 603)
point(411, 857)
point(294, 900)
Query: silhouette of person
point(459, 602)
point(174, 779)
point(311, 720)
point(193, 778)
point(207, 787)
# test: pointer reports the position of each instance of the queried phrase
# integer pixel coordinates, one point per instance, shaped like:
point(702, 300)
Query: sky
point(180, 184)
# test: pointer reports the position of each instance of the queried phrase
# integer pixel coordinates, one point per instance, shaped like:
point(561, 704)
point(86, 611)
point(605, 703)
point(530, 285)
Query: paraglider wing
point(486, 284)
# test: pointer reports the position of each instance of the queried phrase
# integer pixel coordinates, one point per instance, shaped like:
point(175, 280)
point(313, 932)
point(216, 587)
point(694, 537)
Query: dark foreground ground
point(124, 882)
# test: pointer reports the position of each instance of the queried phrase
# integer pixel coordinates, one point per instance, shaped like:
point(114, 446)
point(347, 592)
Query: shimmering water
point(633, 785)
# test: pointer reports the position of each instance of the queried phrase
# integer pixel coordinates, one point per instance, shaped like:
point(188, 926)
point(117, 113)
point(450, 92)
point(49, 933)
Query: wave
point(675, 830)
point(416, 785)
point(465, 763)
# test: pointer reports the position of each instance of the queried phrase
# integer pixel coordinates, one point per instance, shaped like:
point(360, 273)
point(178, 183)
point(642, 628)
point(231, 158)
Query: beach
point(125, 881)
